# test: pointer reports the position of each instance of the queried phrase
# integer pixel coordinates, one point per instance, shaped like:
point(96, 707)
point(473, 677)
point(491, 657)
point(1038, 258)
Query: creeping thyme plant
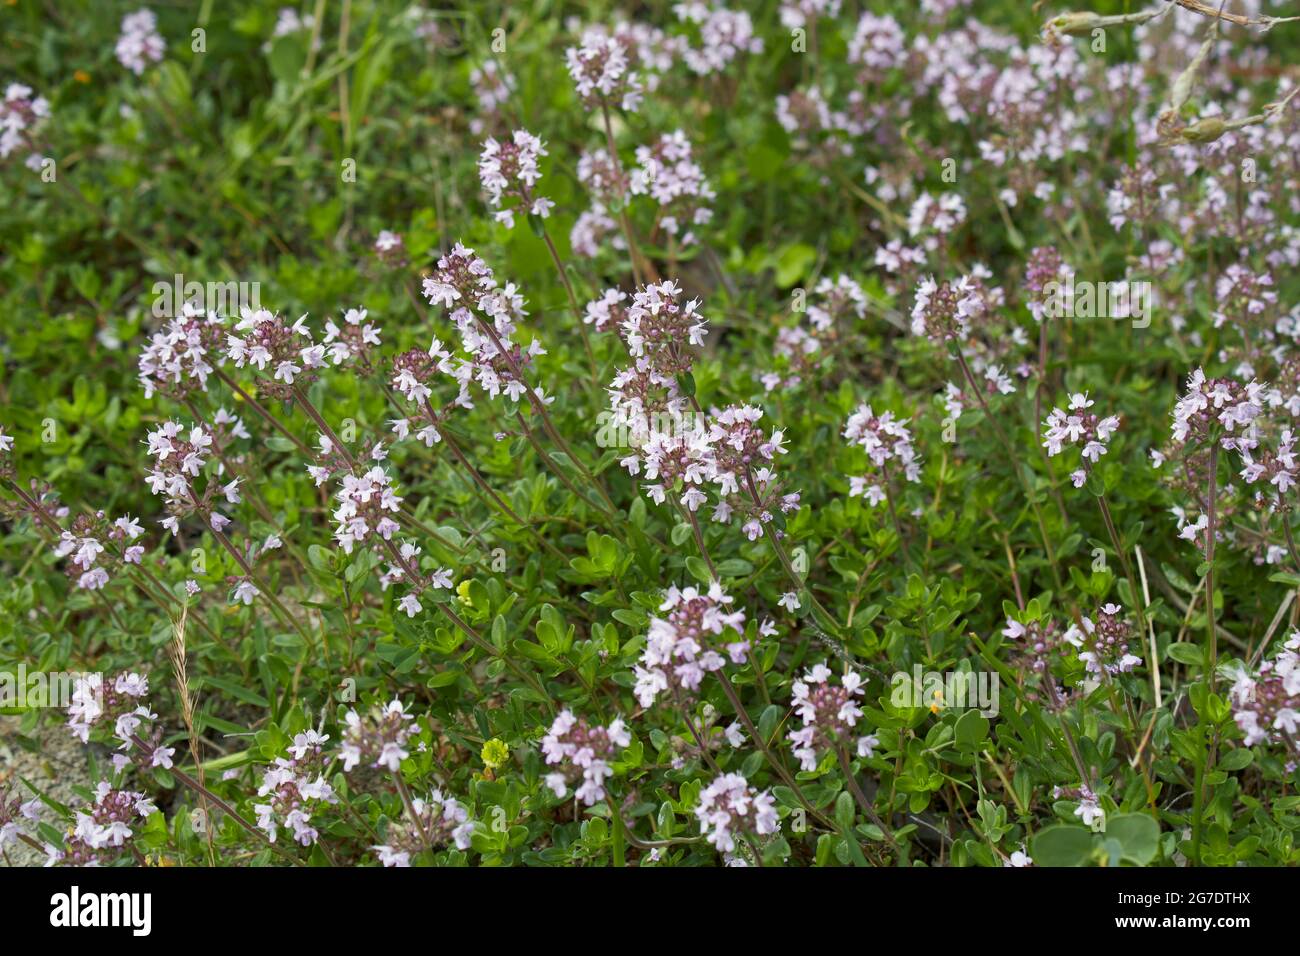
point(573, 434)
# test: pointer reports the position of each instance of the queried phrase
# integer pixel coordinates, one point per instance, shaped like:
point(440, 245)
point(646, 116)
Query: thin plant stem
point(862, 800)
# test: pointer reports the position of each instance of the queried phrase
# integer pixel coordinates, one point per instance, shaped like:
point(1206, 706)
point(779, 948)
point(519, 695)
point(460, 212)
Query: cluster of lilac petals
point(730, 807)
point(20, 114)
point(139, 43)
point(942, 312)
point(377, 739)
point(508, 171)
point(668, 174)
point(1219, 408)
point(601, 72)
point(179, 357)
point(263, 340)
point(581, 755)
point(829, 712)
point(90, 562)
point(888, 443)
point(439, 819)
point(294, 790)
point(485, 315)
point(1266, 704)
point(1104, 644)
point(118, 702)
point(1076, 425)
point(689, 641)
point(724, 36)
point(103, 829)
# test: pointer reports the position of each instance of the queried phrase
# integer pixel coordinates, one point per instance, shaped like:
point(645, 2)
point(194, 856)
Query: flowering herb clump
point(671, 434)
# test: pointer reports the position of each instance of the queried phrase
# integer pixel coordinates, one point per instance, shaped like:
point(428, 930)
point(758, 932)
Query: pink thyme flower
point(668, 175)
point(21, 116)
point(485, 316)
point(439, 820)
point(352, 342)
point(943, 312)
point(724, 35)
point(492, 86)
point(390, 249)
point(887, 441)
point(583, 753)
point(1078, 426)
point(1219, 409)
point(119, 702)
point(1104, 645)
point(140, 43)
point(602, 74)
point(96, 547)
point(378, 739)
point(103, 830)
point(179, 357)
point(608, 312)
point(689, 642)
point(730, 807)
point(742, 455)
point(508, 172)
point(829, 713)
point(295, 790)
point(286, 353)
point(1266, 703)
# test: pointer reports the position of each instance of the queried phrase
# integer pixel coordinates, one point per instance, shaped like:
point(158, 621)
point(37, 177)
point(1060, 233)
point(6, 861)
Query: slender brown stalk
point(862, 800)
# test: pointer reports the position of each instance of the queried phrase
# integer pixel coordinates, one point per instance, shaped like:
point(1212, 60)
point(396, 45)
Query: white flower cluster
point(353, 339)
point(689, 641)
point(379, 738)
point(295, 789)
point(119, 701)
point(943, 312)
point(724, 36)
point(20, 115)
point(178, 357)
point(492, 86)
point(829, 713)
point(1104, 644)
point(84, 547)
point(179, 458)
point(104, 825)
point(668, 175)
point(266, 341)
point(1266, 704)
point(886, 440)
point(366, 503)
point(139, 43)
point(582, 753)
point(729, 806)
point(464, 283)
point(602, 73)
point(439, 819)
point(508, 171)
point(1078, 426)
point(1216, 409)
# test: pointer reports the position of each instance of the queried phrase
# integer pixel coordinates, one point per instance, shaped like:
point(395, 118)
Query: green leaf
point(1237, 759)
point(1137, 833)
point(699, 570)
point(1188, 654)
point(1061, 845)
point(972, 727)
point(844, 810)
